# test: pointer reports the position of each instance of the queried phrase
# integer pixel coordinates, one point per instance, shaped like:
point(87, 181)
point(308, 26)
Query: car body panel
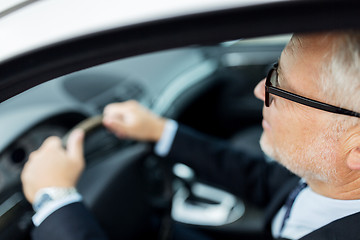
point(44, 23)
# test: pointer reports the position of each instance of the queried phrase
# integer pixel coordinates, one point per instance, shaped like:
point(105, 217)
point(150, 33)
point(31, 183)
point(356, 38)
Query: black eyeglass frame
point(269, 89)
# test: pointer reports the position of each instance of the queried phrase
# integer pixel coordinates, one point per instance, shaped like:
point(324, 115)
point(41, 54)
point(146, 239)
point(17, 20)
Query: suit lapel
point(342, 229)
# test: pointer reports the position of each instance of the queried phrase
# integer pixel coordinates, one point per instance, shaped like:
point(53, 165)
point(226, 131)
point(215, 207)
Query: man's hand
point(132, 120)
point(52, 166)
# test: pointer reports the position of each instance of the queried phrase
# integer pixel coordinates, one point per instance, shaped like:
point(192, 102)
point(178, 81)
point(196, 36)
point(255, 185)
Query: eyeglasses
point(270, 88)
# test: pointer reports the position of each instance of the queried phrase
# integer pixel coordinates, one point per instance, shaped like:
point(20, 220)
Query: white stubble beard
point(314, 160)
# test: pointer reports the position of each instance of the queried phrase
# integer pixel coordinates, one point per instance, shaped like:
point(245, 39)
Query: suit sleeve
point(71, 222)
point(234, 170)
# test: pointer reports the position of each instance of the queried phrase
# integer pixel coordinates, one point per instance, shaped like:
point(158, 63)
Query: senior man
point(311, 128)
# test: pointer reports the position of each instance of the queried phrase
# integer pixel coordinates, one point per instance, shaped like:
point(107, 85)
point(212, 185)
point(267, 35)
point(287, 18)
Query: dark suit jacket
point(266, 184)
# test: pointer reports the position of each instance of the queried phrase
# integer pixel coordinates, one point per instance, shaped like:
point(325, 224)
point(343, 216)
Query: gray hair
point(340, 75)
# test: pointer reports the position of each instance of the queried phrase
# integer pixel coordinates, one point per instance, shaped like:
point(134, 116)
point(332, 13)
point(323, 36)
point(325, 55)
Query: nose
point(259, 90)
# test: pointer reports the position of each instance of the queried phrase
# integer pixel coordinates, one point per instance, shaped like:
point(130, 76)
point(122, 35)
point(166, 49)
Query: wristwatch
point(47, 195)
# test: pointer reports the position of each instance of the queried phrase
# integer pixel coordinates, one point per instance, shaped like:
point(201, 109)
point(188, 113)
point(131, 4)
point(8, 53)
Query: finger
point(24, 172)
point(75, 145)
point(121, 107)
point(119, 114)
point(33, 154)
point(114, 108)
point(52, 142)
point(115, 125)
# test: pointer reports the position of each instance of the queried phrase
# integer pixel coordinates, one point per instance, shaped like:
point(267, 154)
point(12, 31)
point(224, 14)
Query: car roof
point(29, 25)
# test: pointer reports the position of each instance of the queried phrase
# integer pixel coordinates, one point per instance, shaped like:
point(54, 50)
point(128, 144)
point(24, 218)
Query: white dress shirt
point(311, 211)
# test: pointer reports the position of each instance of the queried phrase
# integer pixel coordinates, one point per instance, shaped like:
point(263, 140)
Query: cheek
point(291, 124)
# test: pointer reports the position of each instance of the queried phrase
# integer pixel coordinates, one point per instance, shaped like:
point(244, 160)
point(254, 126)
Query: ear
point(350, 143)
point(353, 159)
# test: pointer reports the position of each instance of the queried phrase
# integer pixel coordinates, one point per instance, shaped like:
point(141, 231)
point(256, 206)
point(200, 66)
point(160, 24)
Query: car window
point(209, 88)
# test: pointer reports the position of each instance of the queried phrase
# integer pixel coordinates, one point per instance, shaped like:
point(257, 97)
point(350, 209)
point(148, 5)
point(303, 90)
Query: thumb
point(75, 145)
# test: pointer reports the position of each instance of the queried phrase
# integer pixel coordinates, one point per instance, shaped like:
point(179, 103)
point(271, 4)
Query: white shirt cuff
point(50, 208)
point(163, 146)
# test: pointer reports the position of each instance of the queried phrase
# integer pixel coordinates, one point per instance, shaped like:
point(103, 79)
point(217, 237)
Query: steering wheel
point(121, 185)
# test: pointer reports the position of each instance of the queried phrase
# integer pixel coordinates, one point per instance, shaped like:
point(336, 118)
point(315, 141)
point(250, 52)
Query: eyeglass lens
point(271, 80)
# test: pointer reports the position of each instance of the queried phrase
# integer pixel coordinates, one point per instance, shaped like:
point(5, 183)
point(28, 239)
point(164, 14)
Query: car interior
point(207, 87)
